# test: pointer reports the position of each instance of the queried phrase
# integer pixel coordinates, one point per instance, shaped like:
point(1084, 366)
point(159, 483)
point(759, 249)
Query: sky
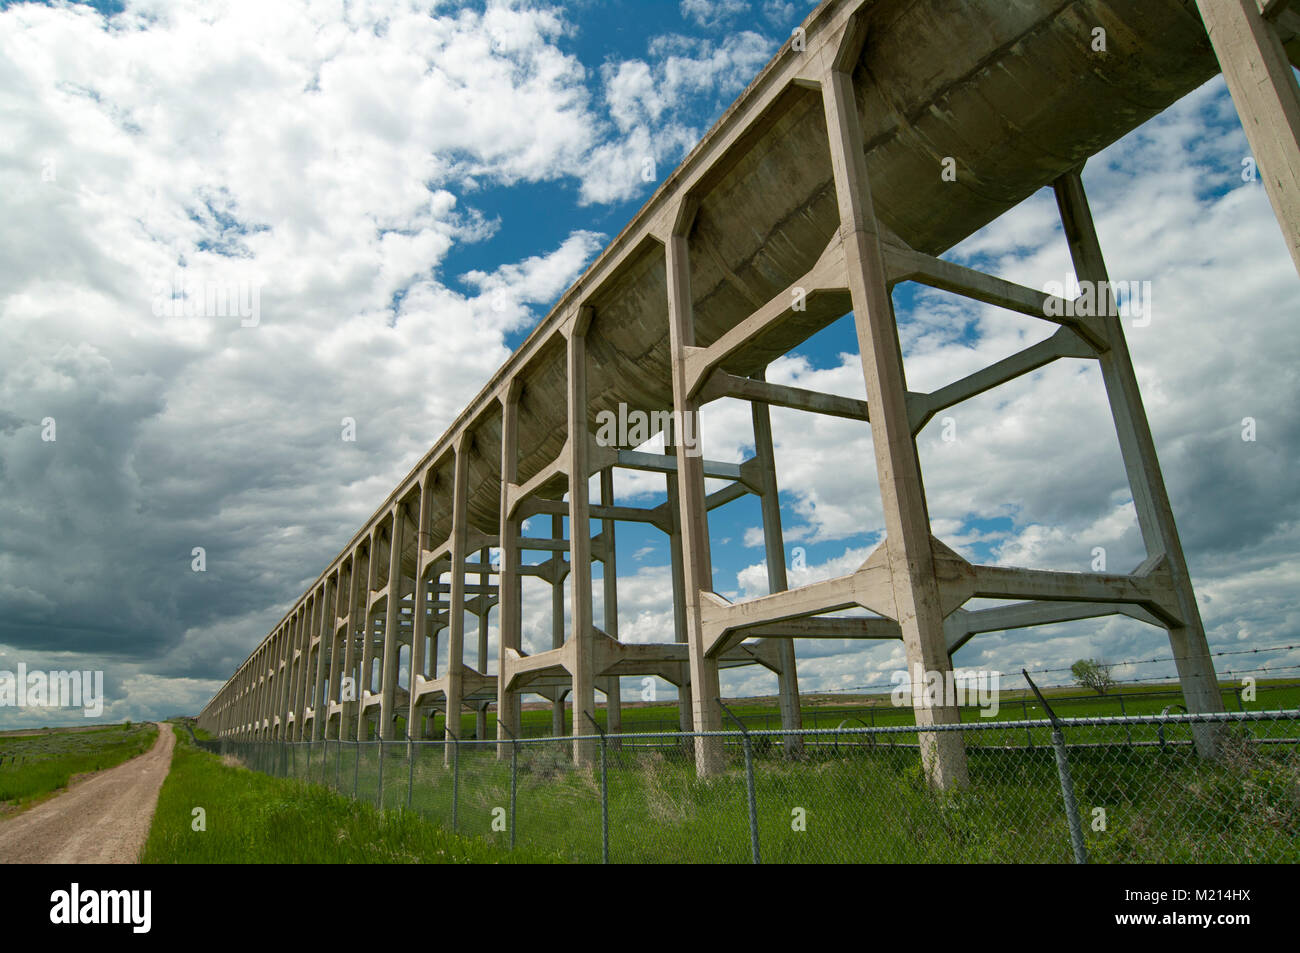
point(402, 190)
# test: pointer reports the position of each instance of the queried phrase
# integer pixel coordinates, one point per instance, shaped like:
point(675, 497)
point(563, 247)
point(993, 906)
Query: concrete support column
point(367, 636)
point(558, 574)
point(336, 654)
point(273, 683)
point(311, 655)
point(609, 587)
point(392, 624)
point(263, 690)
point(774, 541)
point(325, 640)
point(907, 524)
point(581, 660)
point(297, 668)
point(270, 689)
point(264, 722)
point(438, 622)
point(284, 699)
point(419, 608)
point(259, 697)
point(350, 686)
point(509, 582)
point(283, 666)
point(306, 670)
point(696, 561)
point(455, 677)
point(684, 717)
point(335, 689)
point(302, 675)
point(1258, 73)
point(299, 654)
point(480, 716)
point(287, 668)
point(1150, 497)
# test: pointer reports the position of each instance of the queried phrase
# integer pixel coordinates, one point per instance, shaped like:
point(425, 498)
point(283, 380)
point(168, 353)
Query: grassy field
point(34, 766)
point(859, 802)
point(1144, 795)
point(253, 818)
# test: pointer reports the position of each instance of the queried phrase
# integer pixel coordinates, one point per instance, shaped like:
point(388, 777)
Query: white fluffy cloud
point(324, 164)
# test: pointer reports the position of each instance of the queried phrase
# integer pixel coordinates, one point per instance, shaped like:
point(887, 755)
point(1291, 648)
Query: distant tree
point(1093, 674)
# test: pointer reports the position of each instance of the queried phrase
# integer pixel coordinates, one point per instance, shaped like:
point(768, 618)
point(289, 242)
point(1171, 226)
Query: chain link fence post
point(455, 779)
point(604, 793)
point(749, 783)
point(410, 769)
point(514, 777)
point(379, 794)
point(1067, 783)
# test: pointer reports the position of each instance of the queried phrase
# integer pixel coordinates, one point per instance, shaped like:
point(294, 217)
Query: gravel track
point(103, 819)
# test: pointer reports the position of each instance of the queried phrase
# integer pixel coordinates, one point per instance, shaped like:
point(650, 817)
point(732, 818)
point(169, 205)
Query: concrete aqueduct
point(820, 187)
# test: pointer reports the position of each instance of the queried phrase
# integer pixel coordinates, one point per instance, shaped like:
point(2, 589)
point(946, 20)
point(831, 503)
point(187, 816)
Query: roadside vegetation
point(252, 818)
point(33, 767)
point(1143, 793)
point(845, 802)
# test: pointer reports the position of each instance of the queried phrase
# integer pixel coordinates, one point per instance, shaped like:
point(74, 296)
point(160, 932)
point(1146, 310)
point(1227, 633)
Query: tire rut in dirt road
point(102, 820)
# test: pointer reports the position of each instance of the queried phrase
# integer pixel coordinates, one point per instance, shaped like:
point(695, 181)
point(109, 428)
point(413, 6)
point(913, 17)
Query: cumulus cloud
point(646, 99)
point(227, 228)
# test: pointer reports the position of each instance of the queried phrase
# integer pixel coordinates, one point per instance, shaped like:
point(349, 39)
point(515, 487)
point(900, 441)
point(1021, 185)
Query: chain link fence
point(1131, 789)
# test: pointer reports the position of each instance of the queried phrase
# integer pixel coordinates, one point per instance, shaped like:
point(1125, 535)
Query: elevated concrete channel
point(817, 192)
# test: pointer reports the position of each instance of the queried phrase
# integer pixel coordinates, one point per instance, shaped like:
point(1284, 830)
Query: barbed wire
point(1173, 658)
point(1170, 658)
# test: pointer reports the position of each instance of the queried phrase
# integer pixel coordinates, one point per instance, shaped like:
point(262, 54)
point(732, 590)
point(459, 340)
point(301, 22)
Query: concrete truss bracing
point(815, 194)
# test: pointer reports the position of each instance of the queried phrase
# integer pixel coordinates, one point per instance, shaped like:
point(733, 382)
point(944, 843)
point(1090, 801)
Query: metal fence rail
point(1107, 789)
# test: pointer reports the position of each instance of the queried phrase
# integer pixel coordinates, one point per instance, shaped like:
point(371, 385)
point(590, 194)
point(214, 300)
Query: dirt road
point(101, 820)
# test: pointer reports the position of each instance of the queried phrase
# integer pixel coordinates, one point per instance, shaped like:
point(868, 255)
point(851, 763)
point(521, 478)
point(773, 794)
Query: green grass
point(863, 800)
point(861, 803)
point(254, 818)
point(35, 766)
